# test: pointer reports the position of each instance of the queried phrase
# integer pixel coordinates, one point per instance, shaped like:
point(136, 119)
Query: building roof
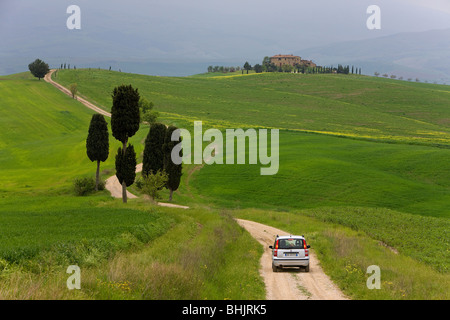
point(285, 56)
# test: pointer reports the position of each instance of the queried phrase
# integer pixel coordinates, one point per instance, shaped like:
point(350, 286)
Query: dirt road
point(48, 78)
point(291, 284)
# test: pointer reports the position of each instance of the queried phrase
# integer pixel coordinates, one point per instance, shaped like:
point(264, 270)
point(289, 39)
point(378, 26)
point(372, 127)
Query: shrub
point(152, 183)
point(84, 186)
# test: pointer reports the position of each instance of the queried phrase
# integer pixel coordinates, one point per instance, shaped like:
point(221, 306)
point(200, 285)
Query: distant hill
point(423, 55)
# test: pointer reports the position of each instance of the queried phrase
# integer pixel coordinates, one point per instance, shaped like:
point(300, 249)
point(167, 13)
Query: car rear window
point(290, 244)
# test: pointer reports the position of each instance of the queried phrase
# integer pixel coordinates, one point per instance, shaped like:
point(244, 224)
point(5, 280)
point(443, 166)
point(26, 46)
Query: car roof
point(290, 237)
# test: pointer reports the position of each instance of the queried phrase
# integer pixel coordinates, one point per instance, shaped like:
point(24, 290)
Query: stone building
point(281, 59)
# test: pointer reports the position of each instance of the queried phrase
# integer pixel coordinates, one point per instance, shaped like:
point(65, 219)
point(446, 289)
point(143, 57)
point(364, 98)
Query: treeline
point(223, 69)
point(267, 66)
point(67, 66)
point(393, 76)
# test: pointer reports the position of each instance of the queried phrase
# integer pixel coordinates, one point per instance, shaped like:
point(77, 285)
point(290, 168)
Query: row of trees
point(223, 69)
point(125, 121)
point(393, 76)
point(267, 66)
point(67, 66)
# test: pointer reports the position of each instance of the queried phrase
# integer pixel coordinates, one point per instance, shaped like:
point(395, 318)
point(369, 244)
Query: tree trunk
point(97, 175)
point(170, 196)
point(124, 192)
point(124, 185)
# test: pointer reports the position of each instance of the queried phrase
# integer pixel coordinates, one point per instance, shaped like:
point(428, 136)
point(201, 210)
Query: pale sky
point(201, 30)
point(441, 5)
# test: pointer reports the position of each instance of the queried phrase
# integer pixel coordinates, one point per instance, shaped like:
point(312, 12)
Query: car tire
point(274, 268)
point(307, 268)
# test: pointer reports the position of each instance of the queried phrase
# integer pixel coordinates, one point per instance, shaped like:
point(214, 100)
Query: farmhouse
point(281, 59)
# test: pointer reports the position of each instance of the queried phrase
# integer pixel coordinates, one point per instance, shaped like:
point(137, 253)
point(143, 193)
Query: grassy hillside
point(43, 137)
point(353, 106)
point(389, 174)
point(394, 163)
point(44, 228)
point(327, 170)
point(319, 170)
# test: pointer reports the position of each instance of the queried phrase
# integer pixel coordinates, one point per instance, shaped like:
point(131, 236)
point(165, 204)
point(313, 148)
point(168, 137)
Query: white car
point(290, 251)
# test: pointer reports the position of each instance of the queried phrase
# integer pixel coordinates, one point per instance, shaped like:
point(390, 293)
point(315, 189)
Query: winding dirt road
point(290, 283)
point(48, 78)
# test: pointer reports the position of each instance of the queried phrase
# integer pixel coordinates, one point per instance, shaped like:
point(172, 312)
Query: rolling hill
point(363, 167)
point(394, 155)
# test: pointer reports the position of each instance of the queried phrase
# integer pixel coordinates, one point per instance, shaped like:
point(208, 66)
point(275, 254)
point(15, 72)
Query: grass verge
point(345, 255)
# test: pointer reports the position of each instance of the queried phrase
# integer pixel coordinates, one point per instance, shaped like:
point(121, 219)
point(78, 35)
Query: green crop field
point(351, 106)
point(355, 152)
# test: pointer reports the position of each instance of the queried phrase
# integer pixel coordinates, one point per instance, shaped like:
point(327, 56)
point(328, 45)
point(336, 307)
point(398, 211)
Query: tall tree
point(153, 160)
point(125, 118)
point(97, 143)
point(38, 68)
point(174, 171)
point(266, 63)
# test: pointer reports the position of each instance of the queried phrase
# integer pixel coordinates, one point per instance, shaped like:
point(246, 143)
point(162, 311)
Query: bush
point(84, 186)
point(101, 185)
point(151, 184)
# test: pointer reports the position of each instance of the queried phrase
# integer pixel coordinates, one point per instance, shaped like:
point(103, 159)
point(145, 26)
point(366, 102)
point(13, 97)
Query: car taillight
point(306, 249)
point(275, 252)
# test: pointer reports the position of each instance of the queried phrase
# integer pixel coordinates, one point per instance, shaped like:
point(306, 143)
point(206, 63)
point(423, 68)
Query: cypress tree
point(126, 166)
point(174, 171)
point(153, 159)
point(125, 119)
point(97, 143)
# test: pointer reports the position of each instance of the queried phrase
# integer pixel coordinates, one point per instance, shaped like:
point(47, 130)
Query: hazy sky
point(202, 30)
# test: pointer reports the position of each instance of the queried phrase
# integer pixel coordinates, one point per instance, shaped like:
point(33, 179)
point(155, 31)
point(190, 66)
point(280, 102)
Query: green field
point(43, 137)
point(44, 227)
point(351, 106)
point(356, 152)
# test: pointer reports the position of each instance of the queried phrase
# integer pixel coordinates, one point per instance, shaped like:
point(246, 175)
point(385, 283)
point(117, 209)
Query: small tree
point(147, 113)
point(247, 66)
point(125, 119)
point(73, 89)
point(153, 160)
point(97, 143)
point(38, 68)
point(258, 68)
point(152, 184)
point(174, 171)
